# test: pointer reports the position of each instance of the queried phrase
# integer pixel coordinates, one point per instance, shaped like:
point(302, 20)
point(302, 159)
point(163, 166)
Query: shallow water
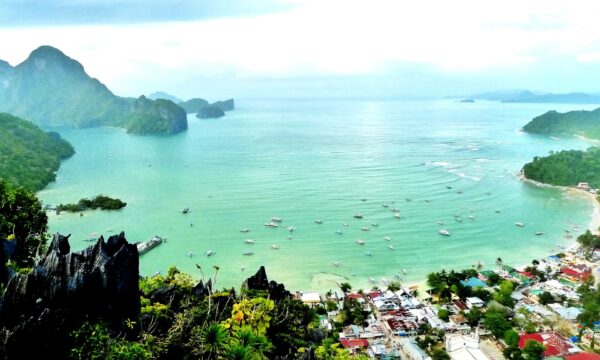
point(303, 160)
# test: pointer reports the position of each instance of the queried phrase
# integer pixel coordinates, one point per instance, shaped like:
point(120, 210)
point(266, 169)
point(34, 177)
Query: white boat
point(271, 225)
point(391, 247)
point(385, 281)
point(385, 205)
point(339, 232)
point(519, 224)
point(374, 224)
point(345, 224)
point(358, 216)
point(445, 232)
point(276, 219)
point(395, 210)
point(539, 233)
point(249, 241)
point(275, 247)
point(209, 253)
point(471, 217)
point(387, 238)
point(318, 221)
point(149, 245)
point(360, 242)
point(290, 228)
point(440, 223)
point(554, 138)
point(364, 229)
point(372, 281)
point(368, 253)
point(336, 264)
point(404, 271)
point(245, 230)
point(397, 216)
point(289, 238)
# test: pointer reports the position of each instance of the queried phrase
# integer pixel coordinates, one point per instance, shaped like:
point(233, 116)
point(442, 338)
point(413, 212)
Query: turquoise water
point(303, 160)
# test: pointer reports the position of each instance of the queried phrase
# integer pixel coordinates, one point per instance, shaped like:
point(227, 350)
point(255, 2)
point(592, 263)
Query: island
point(194, 105)
point(99, 202)
point(566, 168)
point(51, 89)
point(29, 156)
point(582, 123)
point(467, 101)
point(210, 111)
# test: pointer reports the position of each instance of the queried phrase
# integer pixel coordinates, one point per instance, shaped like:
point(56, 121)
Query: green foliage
point(254, 313)
point(533, 350)
point(546, 298)
point(511, 338)
point(590, 300)
point(394, 286)
point(93, 341)
point(443, 314)
point(473, 316)
point(493, 279)
point(345, 287)
point(445, 283)
point(588, 241)
point(503, 294)
point(439, 354)
point(566, 168)
point(22, 219)
point(513, 353)
point(331, 351)
point(99, 202)
point(584, 123)
point(496, 321)
point(29, 157)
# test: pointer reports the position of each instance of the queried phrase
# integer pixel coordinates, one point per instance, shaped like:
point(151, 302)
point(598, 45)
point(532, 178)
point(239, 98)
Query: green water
point(303, 160)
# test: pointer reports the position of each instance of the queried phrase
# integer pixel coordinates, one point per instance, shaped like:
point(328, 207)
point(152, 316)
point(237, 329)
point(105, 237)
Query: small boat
point(275, 247)
point(519, 224)
point(149, 245)
point(248, 253)
point(185, 210)
point(428, 200)
point(339, 232)
point(358, 216)
point(445, 232)
point(404, 271)
point(568, 236)
point(567, 231)
point(318, 221)
point(336, 264)
point(91, 238)
point(459, 192)
point(289, 238)
point(385, 205)
point(554, 138)
point(374, 224)
point(385, 281)
point(408, 199)
point(360, 242)
point(290, 228)
point(363, 199)
point(245, 230)
point(271, 225)
point(368, 253)
point(448, 187)
point(209, 253)
point(371, 280)
point(471, 217)
point(109, 230)
point(498, 211)
point(364, 229)
point(249, 241)
point(387, 238)
point(539, 233)
point(276, 219)
point(458, 219)
point(395, 210)
point(391, 247)
point(440, 223)
point(345, 224)
point(397, 216)
point(148, 165)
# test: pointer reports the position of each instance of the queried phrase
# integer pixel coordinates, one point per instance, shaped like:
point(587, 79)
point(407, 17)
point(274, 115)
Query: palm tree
point(499, 262)
point(200, 269)
point(345, 287)
point(216, 272)
point(237, 351)
point(249, 339)
point(213, 339)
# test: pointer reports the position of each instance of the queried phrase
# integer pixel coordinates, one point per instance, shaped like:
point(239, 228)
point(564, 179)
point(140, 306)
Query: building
point(584, 186)
point(354, 345)
point(475, 302)
point(310, 299)
point(556, 344)
point(473, 282)
point(412, 350)
point(464, 347)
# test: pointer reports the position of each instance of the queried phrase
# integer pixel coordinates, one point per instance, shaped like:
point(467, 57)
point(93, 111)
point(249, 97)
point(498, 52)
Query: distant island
point(49, 88)
point(526, 96)
point(582, 123)
point(466, 101)
point(566, 168)
point(29, 156)
point(99, 202)
point(201, 107)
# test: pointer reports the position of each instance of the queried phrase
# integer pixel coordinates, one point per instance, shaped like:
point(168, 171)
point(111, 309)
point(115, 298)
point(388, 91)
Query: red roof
point(354, 296)
point(374, 294)
point(556, 345)
point(527, 273)
point(583, 356)
point(575, 273)
point(352, 343)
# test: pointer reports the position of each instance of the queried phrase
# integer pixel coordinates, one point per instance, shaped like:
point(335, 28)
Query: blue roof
point(473, 282)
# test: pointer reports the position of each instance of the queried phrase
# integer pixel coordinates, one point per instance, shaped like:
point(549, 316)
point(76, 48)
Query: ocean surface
point(302, 160)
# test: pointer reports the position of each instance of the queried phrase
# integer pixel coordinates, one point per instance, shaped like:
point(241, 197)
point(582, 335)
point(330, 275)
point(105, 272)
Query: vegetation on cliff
point(583, 123)
point(566, 168)
point(29, 157)
point(49, 88)
point(99, 202)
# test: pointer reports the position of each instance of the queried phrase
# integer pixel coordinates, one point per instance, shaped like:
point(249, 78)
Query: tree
point(503, 296)
point(513, 353)
point(439, 354)
point(473, 316)
point(213, 340)
point(331, 351)
point(545, 298)
point(443, 314)
point(511, 338)
point(394, 286)
point(499, 262)
point(533, 350)
point(495, 321)
point(345, 287)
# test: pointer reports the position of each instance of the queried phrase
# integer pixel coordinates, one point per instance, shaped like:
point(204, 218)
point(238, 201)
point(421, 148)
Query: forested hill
point(29, 157)
point(50, 88)
point(584, 123)
point(566, 168)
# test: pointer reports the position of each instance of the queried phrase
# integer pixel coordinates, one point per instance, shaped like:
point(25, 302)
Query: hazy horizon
point(315, 49)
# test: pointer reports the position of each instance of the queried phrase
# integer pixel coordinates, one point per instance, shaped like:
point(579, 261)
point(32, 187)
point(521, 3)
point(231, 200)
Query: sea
point(315, 164)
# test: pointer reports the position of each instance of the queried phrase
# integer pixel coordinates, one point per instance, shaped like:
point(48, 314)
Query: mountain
point(227, 105)
point(29, 156)
point(210, 112)
point(582, 122)
point(50, 89)
point(193, 105)
point(498, 95)
point(163, 95)
point(570, 98)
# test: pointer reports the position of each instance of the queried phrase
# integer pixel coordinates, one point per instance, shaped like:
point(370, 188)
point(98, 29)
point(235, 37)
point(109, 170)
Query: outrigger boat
point(150, 244)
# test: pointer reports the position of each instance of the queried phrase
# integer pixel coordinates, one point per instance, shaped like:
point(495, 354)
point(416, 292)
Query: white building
point(464, 347)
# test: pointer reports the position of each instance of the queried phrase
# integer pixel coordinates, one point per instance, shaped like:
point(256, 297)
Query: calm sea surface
point(301, 160)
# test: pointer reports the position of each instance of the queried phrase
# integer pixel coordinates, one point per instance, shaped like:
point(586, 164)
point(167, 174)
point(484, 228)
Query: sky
point(291, 48)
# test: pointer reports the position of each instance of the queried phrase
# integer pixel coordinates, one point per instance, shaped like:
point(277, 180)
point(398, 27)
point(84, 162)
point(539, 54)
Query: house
point(385, 305)
point(352, 332)
point(310, 299)
point(583, 356)
point(577, 272)
point(583, 186)
point(464, 347)
point(475, 302)
point(556, 344)
point(354, 345)
point(413, 350)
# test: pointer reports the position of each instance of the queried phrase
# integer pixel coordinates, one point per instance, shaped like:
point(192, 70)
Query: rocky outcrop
point(225, 105)
point(65, 289)
point(259, 281)
point(209, 112)
point(193, 105)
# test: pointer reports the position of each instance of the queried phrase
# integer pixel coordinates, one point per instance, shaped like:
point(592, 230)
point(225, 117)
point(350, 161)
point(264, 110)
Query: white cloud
point(330, 37)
